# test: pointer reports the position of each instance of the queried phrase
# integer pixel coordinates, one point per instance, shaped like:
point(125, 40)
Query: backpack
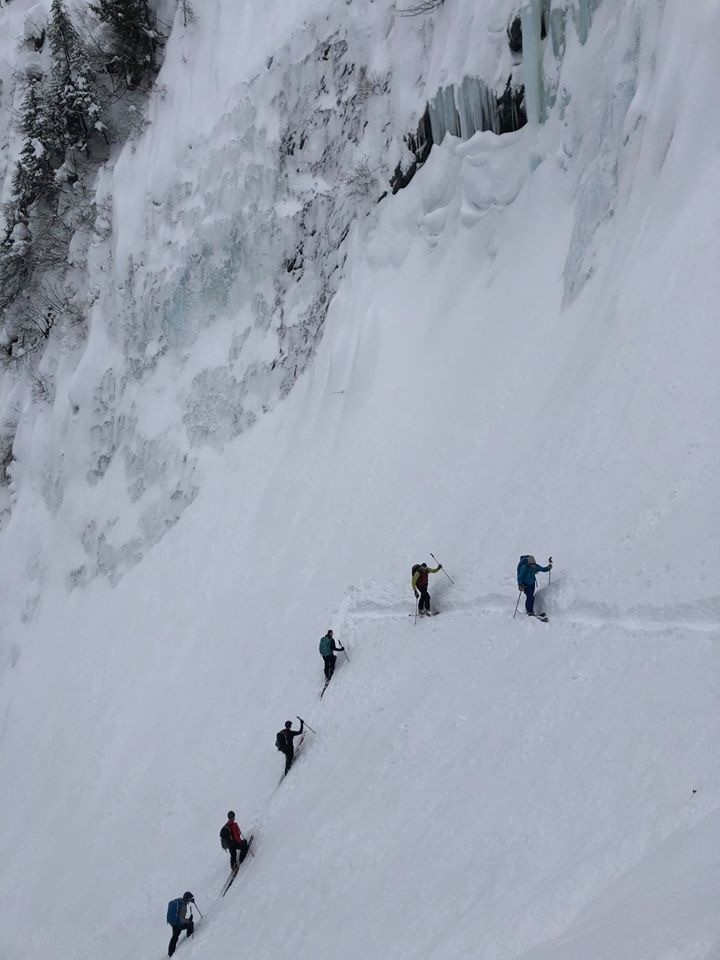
point(225, 837)
point(423, 575)
point(281, 742)
point(523, 559)
point(173, 912)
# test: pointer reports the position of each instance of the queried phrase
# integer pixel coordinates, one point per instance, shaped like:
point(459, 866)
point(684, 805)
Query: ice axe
point(517, 604)
point(443, 569)
point(306, 724)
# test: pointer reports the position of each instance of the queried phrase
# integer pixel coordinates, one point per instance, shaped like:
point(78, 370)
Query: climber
point(420, 572)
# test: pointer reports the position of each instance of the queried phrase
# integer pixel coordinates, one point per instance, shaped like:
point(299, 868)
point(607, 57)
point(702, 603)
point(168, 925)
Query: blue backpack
point(173, 912)
point(523, 559)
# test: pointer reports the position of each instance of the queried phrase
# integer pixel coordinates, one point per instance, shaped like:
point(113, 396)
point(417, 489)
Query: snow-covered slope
point(519, 354)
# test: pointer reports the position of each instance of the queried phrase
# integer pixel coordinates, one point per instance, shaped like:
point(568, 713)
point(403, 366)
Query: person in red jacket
point(236, 843)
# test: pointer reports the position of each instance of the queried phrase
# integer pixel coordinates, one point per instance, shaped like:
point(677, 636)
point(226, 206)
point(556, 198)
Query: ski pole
point(198, 909)
point(518, 602)
point(550, 570)
point(443, 569)
point(306, 724)
point(346, 656)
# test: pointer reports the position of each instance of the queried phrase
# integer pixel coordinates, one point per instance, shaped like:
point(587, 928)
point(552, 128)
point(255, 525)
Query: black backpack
point(225, 837)
point(281, 741)
point(416, 567)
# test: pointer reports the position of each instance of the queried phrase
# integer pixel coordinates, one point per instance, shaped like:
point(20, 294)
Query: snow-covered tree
point(134, 39)
point(34, 176)
point(76, 98)
point(33, 186)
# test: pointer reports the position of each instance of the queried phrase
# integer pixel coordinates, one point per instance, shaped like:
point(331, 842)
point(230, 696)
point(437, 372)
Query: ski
point(333, 674)
point(234, 873)
point(540, 616)
point(433, 614)
point(297, 751)
point(227, 886)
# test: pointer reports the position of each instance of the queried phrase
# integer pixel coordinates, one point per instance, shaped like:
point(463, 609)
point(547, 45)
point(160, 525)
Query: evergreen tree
point(33, 181)
point(34, 176)
point(76, 98)
point(135, 39)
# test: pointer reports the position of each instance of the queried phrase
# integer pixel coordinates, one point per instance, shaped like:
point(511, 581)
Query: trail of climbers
point(364, 692)
point(398, 732)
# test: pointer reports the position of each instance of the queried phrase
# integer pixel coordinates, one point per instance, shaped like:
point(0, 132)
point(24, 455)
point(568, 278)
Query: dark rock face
point(514, 31)
point(514, 35)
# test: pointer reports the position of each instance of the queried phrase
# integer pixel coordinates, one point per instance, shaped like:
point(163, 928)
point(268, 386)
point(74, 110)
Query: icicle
point(462, 112)
point(582, 15)
point(469, 108)
point(531, 16)
point(557, 18)
point(444, 116)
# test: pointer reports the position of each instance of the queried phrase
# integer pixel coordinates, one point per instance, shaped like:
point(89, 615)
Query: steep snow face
point(218, 243)
point(217, 248)
point(517, 355)
point(219, 240)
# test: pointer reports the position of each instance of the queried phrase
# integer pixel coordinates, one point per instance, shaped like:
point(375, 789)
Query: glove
point(521, 588)
point(439, 566)
point(342, 648)
point(416, 594)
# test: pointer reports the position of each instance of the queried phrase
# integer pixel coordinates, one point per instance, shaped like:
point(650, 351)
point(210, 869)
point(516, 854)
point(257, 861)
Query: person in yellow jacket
point(420, 573)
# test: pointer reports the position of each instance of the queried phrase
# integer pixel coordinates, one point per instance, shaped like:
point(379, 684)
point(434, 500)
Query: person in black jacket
point(284, 741)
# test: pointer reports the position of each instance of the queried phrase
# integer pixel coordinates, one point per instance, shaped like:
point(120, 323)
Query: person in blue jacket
point(526, 581)
point(178, 919)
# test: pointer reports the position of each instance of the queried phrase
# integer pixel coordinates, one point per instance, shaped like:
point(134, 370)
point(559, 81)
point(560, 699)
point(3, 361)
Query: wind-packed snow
point(517, 352)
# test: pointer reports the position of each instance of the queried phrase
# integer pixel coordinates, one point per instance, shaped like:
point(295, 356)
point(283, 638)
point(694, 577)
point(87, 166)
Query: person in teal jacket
point(328, 649)
point(526, 581)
